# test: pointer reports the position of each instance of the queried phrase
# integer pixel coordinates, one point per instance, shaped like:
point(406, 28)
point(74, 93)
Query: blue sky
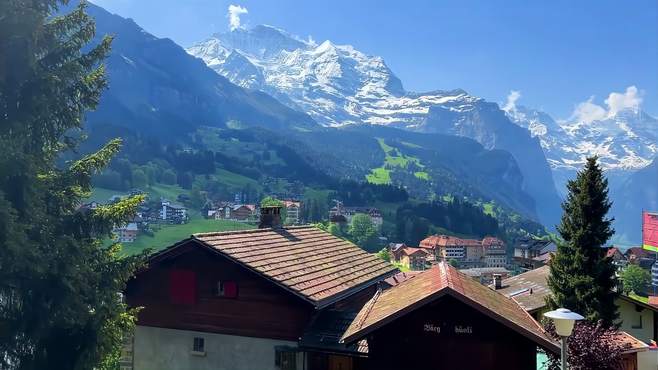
point(557, 53)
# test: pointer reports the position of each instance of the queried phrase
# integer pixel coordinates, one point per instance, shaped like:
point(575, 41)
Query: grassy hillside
point(156, 191)
point(395, 159)
point(170, 234)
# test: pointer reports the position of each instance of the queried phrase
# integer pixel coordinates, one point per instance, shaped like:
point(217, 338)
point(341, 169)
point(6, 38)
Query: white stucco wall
point(647, 360)
point(630, 316)
point(170, 349)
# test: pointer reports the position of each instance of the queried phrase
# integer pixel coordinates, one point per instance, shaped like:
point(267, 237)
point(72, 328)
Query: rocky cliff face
point(156, 83)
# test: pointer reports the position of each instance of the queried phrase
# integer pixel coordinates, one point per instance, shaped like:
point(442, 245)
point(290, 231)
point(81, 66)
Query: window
point(198, 347)
point(228, 289)
point(285, 359)
point(637, 323)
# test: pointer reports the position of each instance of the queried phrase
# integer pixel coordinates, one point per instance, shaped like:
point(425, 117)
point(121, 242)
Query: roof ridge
point(250, 231)
point(368, 308)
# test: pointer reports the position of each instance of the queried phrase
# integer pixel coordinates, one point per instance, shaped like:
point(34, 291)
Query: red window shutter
point(230, 289)
point(182, 287)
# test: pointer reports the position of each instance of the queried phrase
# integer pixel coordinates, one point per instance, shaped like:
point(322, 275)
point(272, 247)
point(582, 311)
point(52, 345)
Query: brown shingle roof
point(306, 260)
point(629, 343)
point(529, 289)
point(400, 277)
point(448, 241)
point(431, 284)
point(410, 251)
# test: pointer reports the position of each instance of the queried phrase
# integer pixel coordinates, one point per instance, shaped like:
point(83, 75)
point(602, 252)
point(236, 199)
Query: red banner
point(650, 231)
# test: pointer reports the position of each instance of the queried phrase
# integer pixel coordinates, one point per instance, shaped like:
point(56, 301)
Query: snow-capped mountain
point(335, 84)
point(338, 85)
point(625, 142)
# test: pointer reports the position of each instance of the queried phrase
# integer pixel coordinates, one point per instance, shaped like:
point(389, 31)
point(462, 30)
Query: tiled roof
point(325, 330)
point(410, 251)
point(629, 343)
point(638, 252)
point(431, 284)
point(448, 241)
point(611, 252)
point(544, 258)
point(291, 203)
point(479, 271)
point(491, 240)
point(540, 245)
point(400, 277)
point(529, 289)
point(305, 260)
point(653, 300)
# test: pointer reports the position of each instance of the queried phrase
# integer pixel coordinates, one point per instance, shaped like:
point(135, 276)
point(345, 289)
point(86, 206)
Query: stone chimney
point(270, 216)
point(498, 281)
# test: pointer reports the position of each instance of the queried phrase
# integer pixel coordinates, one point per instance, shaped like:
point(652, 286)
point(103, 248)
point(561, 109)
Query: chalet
point(349, 212)
point(126, 233)
point(293, 211)
point(641, 257)
point(413, 258)
point(271, 298)
point(528, 248)
point(443, 319)
point(531, 253)
point(220, 211)
point(395, 251)
point(236, 212)
point(171, 212)
point(495, 253)
point(530, 289)
point(617, 256)
point(243, 212)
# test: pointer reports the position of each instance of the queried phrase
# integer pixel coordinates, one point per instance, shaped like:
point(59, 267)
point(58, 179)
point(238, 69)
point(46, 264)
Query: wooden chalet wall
point(427, 339)
point(261, 308)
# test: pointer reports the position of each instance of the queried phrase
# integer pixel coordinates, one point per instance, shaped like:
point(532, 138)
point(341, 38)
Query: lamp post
point(564, 321)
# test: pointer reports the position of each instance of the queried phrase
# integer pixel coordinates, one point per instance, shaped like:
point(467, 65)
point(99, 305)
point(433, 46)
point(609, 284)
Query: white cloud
point(510, 105)
point(589, 111)
point(311, 41)
point(234, 13)
point(619, 101)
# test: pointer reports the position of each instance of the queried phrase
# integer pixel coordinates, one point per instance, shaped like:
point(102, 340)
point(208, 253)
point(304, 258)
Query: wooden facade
point(260, 308)
point(448, 334)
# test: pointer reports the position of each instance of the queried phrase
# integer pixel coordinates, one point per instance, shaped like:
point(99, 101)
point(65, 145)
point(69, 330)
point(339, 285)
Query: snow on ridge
point(625, 141)
point(334, 84)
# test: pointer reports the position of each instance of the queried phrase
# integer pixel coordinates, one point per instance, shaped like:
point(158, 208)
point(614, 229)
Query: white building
point(172, 212)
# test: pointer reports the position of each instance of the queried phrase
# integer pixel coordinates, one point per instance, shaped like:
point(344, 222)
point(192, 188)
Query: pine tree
point(582, 278)
point(60, 305)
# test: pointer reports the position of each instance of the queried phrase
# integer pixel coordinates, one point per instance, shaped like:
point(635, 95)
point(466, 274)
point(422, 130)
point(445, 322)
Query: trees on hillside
point(59, 286)
point(581, 278)
point(363, 232)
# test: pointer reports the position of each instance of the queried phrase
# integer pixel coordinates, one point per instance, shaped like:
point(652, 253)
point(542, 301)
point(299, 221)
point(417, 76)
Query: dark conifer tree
point(582, 278)
point(59, 285)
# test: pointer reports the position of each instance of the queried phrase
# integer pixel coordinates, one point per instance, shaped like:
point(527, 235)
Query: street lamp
point(564, 321)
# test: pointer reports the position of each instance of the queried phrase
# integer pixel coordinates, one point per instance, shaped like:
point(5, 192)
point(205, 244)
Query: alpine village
point(259, 201)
